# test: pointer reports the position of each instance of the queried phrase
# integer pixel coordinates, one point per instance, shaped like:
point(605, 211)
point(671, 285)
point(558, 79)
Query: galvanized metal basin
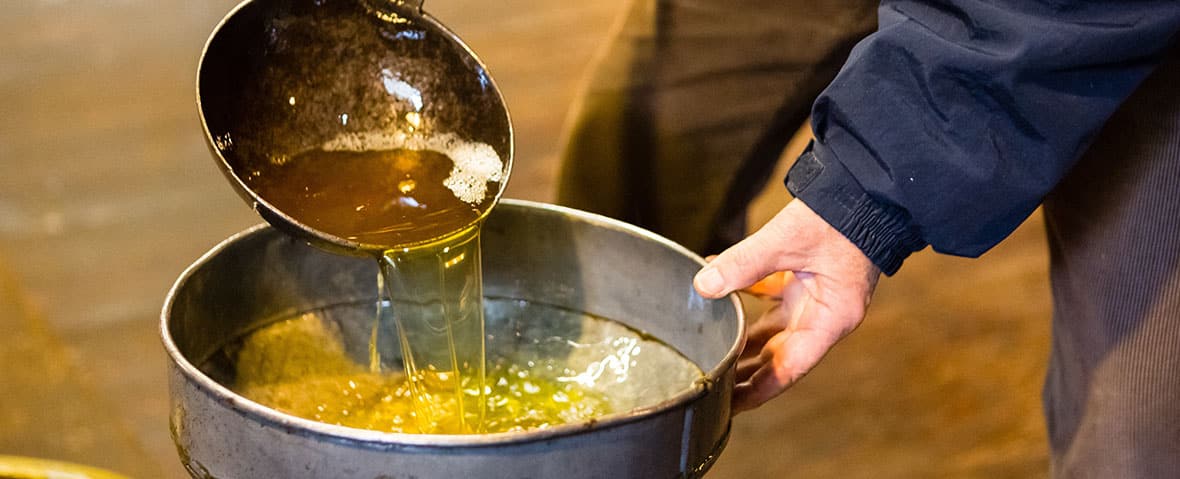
point(534, 252)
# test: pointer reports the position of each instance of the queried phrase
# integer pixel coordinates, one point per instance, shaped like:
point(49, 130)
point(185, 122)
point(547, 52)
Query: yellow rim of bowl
point(12, 467)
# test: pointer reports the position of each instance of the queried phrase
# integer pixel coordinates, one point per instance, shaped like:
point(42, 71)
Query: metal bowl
point(534, 252)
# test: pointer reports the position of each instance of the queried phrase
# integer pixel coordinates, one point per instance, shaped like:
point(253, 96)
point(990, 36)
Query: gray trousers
point(690, 110)
point(1112, 396)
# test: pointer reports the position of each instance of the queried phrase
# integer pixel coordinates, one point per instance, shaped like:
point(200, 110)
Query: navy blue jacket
point(950, 123)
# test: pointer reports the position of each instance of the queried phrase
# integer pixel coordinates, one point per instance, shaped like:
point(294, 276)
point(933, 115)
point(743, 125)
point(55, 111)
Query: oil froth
point(475, 164)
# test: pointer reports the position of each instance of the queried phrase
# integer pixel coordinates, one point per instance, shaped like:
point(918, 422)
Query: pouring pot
point(282, 77)
point(533, 252)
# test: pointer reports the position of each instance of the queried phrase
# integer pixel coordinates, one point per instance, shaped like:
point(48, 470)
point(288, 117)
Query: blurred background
point(107, 192)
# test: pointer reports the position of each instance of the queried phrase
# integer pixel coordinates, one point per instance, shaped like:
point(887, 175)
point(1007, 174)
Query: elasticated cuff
point(882, 231)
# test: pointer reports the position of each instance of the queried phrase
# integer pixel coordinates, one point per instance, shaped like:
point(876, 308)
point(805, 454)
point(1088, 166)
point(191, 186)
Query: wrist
point(882, 232)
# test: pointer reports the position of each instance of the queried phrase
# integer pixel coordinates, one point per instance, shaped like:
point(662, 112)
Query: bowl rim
point(22, 466)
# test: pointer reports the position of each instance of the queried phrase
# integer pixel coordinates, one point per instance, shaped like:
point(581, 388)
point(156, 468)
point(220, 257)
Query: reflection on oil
point(400, 89)
point(546, 367)
point(618, 362)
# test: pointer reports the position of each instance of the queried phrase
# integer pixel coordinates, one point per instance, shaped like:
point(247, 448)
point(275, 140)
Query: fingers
point(769, 287)
point(823, 299)
point(785, 243)
point(742, 264)
point(786, 342)
point(792, 354)
point(782, 316)
point(746, 368)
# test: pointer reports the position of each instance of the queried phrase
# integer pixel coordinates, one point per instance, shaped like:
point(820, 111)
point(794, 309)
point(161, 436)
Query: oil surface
point(546, 367)
point(389, 198)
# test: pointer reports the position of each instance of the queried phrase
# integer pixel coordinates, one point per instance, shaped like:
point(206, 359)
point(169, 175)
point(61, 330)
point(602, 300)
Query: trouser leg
point(687, 114)
point(1112, 394)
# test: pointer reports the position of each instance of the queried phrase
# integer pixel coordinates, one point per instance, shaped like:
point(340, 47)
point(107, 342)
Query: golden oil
point(301, 367)
point(422, 207)
point(385, 198)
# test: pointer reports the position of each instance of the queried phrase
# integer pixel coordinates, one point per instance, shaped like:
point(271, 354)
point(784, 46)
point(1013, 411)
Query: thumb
point(741, 265)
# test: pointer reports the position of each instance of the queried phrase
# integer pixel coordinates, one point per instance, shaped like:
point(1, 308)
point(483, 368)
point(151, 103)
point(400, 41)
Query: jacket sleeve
point(949, 124)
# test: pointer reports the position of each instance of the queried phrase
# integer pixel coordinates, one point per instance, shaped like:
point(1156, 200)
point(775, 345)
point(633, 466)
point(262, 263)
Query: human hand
point(823, 297)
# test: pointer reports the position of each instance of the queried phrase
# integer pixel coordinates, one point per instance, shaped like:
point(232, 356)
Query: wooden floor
point(107, 193)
